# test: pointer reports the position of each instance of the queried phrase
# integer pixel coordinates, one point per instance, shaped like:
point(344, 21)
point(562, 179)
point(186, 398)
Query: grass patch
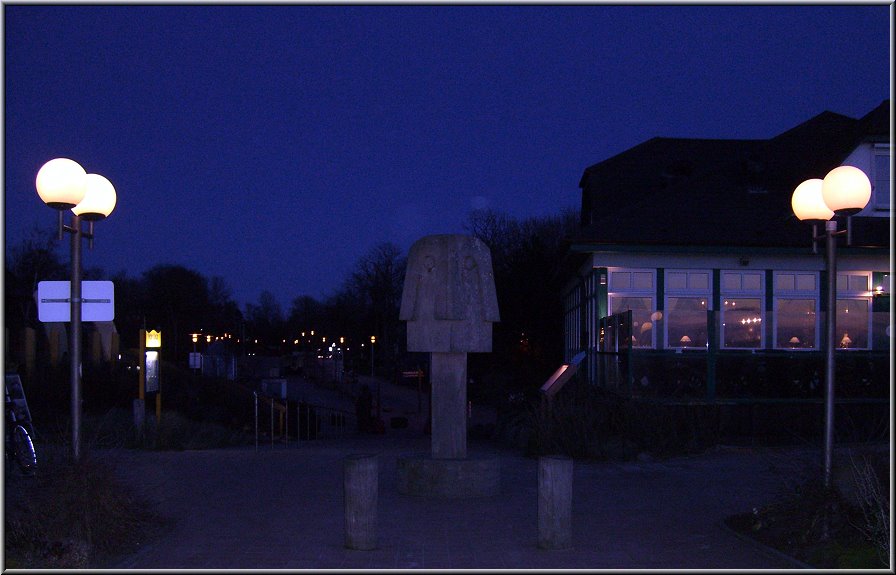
point(71, 515)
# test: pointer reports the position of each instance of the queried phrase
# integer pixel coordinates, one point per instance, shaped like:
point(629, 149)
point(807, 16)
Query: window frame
point(633, 292)
point(863, 293)
point(796, 293)
point(686, 292)
point(726, 293)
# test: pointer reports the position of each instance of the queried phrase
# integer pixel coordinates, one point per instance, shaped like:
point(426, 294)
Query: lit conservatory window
point(635, 290)
point(853, 319)
point(688, 299)
point(796, 310)
point(853, 310)
point(686, 321)
point(742, 315)
point(795, 323)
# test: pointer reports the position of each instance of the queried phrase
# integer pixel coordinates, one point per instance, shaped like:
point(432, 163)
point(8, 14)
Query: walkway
point(282, 508)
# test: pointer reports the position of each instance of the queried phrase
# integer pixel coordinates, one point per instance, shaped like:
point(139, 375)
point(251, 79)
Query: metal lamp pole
point(63, 184)
point(379, 395)
point(844, 191)
point(829, 358)
point(75, 345)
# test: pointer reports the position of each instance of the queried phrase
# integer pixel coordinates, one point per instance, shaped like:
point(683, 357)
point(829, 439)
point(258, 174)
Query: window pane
point(642, 308)
point(698, 281)
point(676, 280)
point(786, 282)
point(620, 281)
point(752, 282)
point(731, 282)
point(858, 283)
point(852, 324)
point(686, 318)
point(795, 328)
point(742, 322)
point(642, 280)
point(805, 282)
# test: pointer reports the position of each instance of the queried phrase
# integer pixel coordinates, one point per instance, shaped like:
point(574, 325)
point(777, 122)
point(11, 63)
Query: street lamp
point(63, 184)
point(845, 191)
point(379, 394)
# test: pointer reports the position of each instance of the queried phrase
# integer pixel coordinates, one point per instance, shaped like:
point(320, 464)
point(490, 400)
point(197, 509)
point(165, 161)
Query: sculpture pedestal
point(420, 474)
point(449, 405)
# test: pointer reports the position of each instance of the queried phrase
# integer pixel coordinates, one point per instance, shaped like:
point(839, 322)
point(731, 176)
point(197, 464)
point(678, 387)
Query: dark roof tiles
point(706, 192)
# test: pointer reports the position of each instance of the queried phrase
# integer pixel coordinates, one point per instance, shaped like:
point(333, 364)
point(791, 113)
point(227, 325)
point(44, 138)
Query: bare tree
point(526, 257)
point(31, 261)
point(378, 281)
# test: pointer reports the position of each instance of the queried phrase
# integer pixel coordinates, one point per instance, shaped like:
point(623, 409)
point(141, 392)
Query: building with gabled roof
point(691, 278)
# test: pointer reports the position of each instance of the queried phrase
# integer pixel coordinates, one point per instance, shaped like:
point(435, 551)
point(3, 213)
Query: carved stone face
point(449, 298)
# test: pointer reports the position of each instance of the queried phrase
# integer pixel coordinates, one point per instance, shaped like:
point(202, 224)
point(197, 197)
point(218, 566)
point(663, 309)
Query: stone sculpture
point(449, 304)
point(449, 298)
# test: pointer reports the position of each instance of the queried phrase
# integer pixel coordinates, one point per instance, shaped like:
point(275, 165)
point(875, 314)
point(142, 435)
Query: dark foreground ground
point(282, 508)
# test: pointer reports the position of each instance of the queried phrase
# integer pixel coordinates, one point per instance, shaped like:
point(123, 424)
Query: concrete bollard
point(361, 487)
point(554, 502)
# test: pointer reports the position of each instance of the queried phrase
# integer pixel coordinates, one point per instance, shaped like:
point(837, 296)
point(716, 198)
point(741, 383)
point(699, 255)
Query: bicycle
point(19, 446)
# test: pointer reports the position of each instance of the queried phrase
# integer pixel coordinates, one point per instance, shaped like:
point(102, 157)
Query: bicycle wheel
point(24, 450)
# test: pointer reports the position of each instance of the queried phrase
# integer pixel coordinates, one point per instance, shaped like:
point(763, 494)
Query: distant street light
point(845, 191)
point(64, 185)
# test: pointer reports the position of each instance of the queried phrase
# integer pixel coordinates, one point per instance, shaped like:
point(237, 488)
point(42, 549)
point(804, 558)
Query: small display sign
point(152, 371)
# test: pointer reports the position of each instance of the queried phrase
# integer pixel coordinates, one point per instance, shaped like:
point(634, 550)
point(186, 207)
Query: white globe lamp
point(61, 183)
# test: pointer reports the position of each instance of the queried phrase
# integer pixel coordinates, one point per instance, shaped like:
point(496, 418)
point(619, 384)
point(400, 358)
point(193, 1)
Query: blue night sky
point(275, 145)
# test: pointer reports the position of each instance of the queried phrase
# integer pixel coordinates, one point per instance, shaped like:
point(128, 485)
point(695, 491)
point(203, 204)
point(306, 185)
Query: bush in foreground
point(70, 515)
point(843, 527)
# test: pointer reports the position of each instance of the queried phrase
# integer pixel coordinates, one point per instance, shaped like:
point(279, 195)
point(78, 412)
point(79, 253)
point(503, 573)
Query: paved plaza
point(282, 507)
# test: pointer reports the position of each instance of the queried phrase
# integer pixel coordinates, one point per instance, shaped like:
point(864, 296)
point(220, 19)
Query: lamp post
point(379, 395)
point(63, 184)
point(844, 191)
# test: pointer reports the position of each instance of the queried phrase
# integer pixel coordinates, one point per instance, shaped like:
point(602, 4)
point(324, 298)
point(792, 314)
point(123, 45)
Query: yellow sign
point(153, 338)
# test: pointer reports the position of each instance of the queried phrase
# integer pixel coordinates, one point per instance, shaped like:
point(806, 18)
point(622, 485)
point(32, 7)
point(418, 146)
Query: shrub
point(874, 502)
point(70, 515)
point(586, 422)
point(174, 431)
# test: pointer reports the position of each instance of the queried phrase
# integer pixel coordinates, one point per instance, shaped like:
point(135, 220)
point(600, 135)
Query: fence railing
point(283, 421)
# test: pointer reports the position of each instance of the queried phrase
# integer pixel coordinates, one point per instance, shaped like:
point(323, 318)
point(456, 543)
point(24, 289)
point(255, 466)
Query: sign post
point(54, 301)
point(73, 302)
point(150, 372)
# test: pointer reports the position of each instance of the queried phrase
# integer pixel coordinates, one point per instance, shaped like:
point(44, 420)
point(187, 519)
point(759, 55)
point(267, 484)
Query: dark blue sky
point(276, 145)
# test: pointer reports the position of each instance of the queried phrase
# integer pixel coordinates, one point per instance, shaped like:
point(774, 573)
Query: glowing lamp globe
point(846, 190)
point(807, 201)
point(99, 200)
point(61, 183)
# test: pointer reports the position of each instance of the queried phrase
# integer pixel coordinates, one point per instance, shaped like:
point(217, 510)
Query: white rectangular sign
point(54, 301)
